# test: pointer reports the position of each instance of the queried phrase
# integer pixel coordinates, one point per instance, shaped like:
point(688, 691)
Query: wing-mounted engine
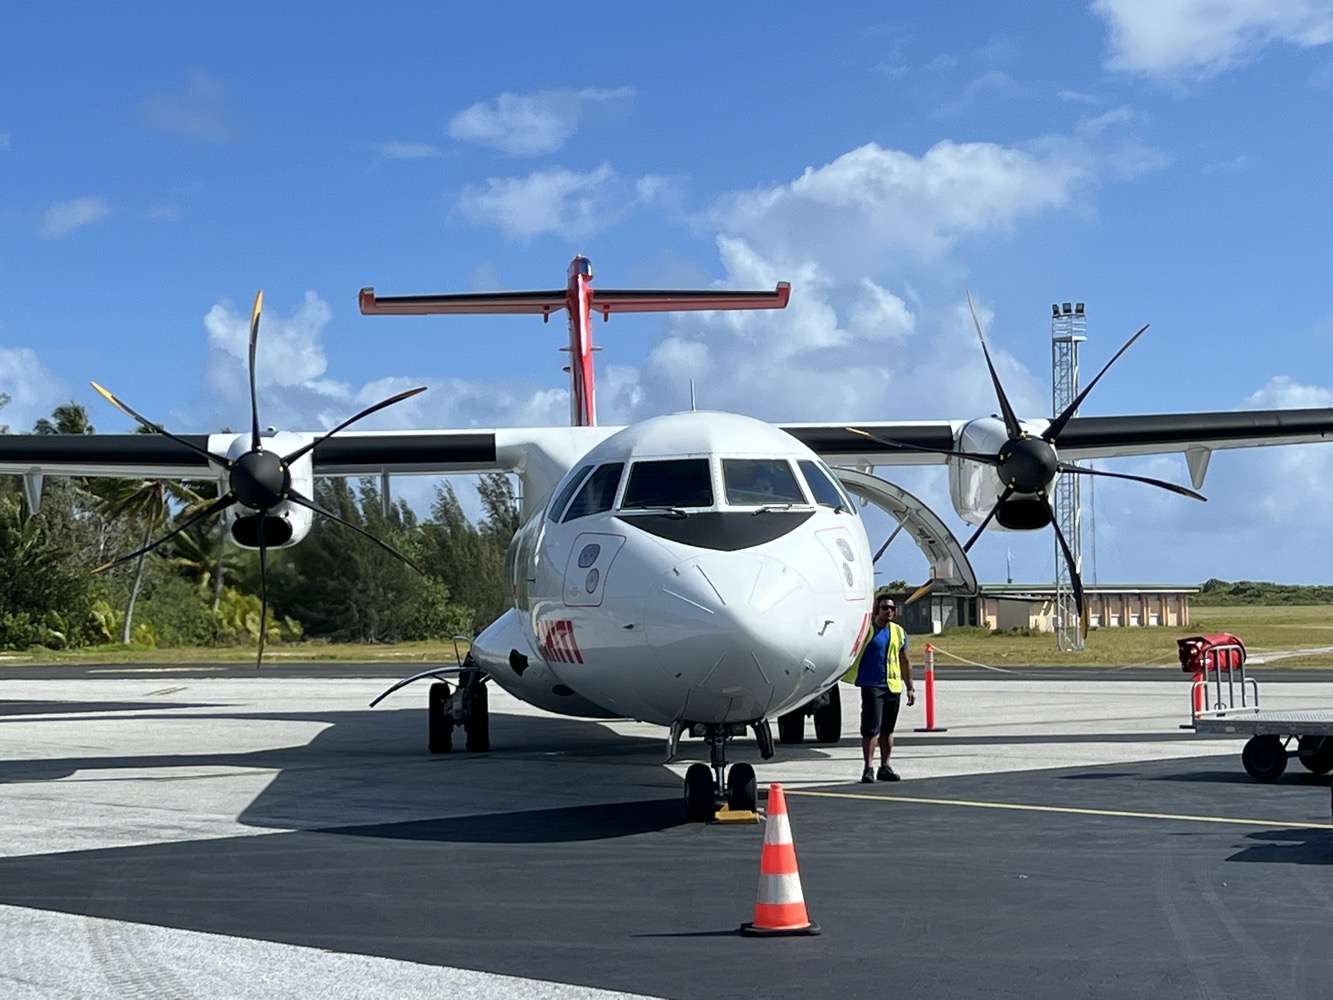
point(976, 489)
point(1006, 468)
point(286, 523)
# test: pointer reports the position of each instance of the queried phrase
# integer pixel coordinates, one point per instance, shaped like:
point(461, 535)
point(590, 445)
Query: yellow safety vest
point(892, 662)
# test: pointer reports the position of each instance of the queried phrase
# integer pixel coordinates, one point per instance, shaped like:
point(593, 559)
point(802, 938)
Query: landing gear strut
point(466, 706)
point(706, 785)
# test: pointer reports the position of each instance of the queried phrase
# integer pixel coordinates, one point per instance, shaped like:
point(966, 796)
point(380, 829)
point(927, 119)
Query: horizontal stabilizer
point(623, 300)
point(465, 302)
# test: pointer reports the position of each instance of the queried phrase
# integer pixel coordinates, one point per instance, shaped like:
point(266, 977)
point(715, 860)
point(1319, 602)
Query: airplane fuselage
point(699, 567)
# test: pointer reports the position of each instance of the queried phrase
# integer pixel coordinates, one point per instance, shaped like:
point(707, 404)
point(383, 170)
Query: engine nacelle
point(974, 487)
point(287, 523)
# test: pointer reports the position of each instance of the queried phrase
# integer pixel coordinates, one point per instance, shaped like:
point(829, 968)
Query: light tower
point(1069, 327)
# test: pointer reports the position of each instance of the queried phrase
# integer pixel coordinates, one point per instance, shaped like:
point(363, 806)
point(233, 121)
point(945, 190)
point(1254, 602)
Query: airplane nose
point(735, 628)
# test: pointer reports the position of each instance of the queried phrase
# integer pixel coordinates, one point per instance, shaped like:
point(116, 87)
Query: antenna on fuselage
point(580, 300)
point(693, 407)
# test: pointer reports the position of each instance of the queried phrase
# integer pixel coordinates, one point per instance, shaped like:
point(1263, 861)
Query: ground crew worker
point(882, 673)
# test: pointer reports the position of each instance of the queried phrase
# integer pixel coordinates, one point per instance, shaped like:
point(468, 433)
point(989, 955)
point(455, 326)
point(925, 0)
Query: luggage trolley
point(1230, 705)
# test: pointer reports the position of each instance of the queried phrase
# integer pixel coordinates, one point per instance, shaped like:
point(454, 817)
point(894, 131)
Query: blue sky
point(1165, 162)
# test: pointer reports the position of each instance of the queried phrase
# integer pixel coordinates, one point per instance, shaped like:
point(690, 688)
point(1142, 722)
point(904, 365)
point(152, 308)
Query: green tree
point(146, 504)
point(343, 586)
point(469, 558)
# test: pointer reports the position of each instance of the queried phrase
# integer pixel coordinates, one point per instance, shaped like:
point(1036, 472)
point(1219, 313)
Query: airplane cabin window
point(827, 491)
point(598, 493)
point(757, 481)
point(557, 505)
point(676, 482)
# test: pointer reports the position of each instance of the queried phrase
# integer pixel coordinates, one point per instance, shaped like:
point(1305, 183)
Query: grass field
point(1264, 629)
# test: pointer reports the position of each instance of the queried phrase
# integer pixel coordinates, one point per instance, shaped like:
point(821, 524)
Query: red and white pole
point(930, 726)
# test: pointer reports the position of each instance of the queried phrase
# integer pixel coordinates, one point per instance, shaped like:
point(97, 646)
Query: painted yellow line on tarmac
point(1071, 810)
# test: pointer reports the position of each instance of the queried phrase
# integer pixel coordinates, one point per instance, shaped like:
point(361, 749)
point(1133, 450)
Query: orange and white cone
point(779, 907)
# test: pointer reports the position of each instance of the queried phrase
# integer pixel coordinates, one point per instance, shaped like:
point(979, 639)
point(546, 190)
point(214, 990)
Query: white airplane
point(706, 572)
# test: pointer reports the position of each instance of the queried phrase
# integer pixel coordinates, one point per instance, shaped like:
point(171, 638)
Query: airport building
point(1016, 605)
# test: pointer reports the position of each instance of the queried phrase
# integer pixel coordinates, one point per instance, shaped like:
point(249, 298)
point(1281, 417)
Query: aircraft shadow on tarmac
point(1290, 847)
point(368, 773)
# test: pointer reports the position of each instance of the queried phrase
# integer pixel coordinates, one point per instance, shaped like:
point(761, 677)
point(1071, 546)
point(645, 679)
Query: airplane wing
point(1081, 438)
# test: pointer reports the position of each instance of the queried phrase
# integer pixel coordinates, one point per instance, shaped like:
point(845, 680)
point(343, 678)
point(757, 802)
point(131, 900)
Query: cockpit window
point(752, 481)
point(562, 498)
point(598, 493)
point(827, 491)
point(677, 482)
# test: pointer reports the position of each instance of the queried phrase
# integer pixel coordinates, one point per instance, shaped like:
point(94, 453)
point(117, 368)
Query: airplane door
point(589, 562)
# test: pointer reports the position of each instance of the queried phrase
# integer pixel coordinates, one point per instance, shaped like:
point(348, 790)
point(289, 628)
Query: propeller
point(258, 480)
point(1027, 464)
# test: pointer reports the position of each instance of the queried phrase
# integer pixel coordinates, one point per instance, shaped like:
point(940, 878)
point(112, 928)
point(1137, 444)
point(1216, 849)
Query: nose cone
point(733, 630)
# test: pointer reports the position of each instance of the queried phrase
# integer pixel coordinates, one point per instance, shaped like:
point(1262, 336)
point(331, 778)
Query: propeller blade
point(1011, 424)
point(974, 456)
point(254, 401)
point(305, 501)
point(123, 408)
point(1058, 424)
point(221, 503)
point(289, 459)
point(920, 592)
point(1008, 492)
point(263, 593)
point(1075, 580)
point(1174, 488)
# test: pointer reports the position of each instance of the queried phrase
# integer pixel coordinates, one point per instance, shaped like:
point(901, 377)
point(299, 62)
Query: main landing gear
point(465, 706)
point(711, 792)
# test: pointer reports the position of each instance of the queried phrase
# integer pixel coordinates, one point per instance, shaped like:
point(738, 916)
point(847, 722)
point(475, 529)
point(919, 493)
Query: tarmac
point(222, 832)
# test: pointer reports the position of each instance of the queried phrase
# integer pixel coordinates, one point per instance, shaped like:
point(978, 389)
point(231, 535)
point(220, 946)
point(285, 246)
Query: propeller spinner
point(257, 480)
point(1027, 465)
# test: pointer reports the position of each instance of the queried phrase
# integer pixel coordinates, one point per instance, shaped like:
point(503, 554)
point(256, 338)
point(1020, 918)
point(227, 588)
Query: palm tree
point(147, 504)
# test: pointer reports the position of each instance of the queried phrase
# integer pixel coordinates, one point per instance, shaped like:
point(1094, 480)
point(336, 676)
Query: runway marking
point(170, 690)
point(1071, 810)
point(155, 670)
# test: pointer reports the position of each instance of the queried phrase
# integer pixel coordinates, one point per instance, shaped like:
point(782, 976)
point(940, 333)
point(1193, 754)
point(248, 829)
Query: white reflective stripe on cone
point(780, 889)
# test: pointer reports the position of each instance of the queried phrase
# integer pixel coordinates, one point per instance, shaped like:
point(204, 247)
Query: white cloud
point(533, 124)
point(199, 111)
point(66, 216)
point(564, 202)
point(870, 203)
point(1170, 39)
point(32, 390)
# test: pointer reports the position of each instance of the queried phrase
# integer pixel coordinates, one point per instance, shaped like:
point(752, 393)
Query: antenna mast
point(1069, 327)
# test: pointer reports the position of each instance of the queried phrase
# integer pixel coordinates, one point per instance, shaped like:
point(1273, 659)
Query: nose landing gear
point(709, 795)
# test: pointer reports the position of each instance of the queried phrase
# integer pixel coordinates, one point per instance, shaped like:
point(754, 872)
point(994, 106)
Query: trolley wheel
point(828, 718)
point(699, 804)
point(791, 727)
point(1316, 754)
point(1264, 757)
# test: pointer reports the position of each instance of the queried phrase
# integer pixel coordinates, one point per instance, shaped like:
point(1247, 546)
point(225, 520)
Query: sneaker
point(867, 777)
point(886, 773)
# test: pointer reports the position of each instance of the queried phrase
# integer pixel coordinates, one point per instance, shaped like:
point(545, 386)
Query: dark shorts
point(879, 711)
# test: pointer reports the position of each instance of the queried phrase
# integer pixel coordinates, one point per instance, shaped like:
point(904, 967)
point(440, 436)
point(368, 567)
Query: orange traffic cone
point(780, 907)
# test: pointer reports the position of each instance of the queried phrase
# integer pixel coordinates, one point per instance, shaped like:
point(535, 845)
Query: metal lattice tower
point(1069, 327)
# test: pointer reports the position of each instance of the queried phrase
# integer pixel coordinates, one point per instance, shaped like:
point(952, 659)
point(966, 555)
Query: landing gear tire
point(791, 727)
point(476, 717)
point(699, 802)
point(828, 718)
point(439, 724)
point(1264, 757)
point(742, 795)
point(1316, 754)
